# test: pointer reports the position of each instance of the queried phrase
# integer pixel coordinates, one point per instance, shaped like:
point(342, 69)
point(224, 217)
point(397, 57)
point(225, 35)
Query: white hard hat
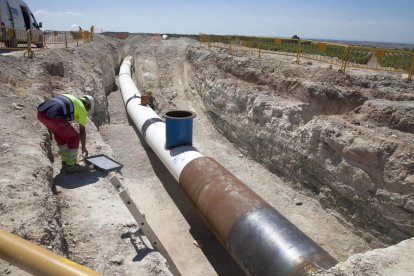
point(91, 101)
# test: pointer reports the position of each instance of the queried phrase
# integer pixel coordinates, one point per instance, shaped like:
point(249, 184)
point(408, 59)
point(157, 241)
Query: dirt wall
point(321, 128)
point(393, 260)
point(29, 206)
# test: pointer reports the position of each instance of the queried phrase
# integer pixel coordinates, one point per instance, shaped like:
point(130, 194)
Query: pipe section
point(258, 237)
point(36, 260)
point(151, 126)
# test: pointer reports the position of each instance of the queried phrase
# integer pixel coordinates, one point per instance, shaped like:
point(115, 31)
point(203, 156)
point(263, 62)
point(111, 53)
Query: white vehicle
point(15, 19)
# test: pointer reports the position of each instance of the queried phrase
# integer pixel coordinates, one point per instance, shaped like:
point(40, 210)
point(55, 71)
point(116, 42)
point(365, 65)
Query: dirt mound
point(334, 133)
point(394, 260)
point(37, 201)
point(398, 115)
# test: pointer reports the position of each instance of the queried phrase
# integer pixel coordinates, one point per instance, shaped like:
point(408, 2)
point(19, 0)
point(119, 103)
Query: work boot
point(71, 165)
point(76, 168)
point(63, 167)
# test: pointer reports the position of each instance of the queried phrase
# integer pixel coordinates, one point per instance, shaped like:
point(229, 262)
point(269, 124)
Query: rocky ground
point(333, 152)
point(345, 137)
point(78, 216)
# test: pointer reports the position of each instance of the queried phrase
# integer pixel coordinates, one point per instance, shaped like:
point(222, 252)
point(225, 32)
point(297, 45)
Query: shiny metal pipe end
point(263, 242)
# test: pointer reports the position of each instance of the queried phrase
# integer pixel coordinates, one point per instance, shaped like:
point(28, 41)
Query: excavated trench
point(332, 152)
point(301, 124)
point(318, 128)
point(325, 133)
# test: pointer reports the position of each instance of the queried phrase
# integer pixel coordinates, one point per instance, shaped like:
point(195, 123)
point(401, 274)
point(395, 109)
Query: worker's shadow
point(3, 51)
point(140, 247)
point(76, 180)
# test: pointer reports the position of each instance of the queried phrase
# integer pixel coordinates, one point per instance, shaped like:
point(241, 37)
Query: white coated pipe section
point(151, 126)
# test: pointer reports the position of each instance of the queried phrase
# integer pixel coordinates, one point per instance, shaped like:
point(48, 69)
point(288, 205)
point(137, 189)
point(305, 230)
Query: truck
point(16, 19)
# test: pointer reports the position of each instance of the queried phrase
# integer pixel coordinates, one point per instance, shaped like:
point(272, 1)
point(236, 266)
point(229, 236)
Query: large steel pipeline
point(37, 260)
point(259, 238)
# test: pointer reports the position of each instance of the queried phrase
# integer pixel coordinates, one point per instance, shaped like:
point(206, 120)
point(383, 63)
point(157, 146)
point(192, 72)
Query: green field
point(358, 55)
point(399, 61)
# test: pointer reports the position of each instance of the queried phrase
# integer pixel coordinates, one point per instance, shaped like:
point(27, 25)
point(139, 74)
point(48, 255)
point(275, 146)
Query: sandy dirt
point(346, 138)
point(175, 94)
point(78, 216)
point(259, 118)
point(157, 194)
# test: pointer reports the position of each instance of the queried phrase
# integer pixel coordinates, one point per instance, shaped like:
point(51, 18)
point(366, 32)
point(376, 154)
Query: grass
point(192, 36)
point(360, 55)
point(334, 52)
point(397, 60)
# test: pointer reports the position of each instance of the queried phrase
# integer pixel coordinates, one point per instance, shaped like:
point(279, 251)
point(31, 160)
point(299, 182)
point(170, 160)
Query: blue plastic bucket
point(179, 128)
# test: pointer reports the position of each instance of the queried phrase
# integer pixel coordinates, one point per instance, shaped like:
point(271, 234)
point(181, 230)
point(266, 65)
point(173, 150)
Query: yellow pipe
point(37, 260)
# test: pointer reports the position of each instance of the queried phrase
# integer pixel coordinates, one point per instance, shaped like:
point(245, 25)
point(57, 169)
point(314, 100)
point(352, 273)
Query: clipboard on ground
point(103, 163)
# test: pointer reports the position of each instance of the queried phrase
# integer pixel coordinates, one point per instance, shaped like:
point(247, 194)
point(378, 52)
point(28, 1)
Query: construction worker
point(55, 114)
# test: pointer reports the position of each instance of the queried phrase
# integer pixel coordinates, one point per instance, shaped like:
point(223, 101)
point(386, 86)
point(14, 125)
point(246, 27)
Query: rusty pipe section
point(259, 238)
point(37, 260)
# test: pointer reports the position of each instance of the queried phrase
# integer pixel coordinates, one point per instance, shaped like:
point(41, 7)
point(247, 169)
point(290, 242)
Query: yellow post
point(259, 47)
point(345, 59)
point(92, 31)
point(29, 44)
point(37, 260)
point(298, 52)
point(66, 41)
point(411, 70)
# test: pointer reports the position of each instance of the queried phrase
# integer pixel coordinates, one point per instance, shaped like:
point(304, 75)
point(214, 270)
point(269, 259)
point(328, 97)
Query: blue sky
point(386, 21)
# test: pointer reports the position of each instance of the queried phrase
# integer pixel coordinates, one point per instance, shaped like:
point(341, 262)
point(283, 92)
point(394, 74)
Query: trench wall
point(29, 206)
point(320, 128)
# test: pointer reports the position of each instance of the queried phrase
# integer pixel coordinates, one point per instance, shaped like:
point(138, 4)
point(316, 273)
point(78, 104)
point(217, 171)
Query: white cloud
point(73, 13)
point(43, 12)
point(47, 13)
